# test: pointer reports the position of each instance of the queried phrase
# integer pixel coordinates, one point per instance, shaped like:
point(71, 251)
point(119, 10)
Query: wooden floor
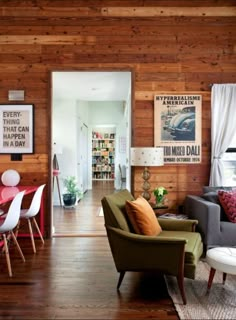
point(84, 219)
point(75, 278)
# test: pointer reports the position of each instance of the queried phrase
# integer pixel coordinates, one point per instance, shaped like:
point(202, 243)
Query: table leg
point(211, 277)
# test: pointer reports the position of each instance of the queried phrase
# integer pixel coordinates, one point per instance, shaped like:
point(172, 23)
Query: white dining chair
point(30, 213)
point(7, 223)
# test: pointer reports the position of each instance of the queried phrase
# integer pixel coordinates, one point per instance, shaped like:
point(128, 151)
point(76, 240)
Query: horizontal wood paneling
point(170, 47)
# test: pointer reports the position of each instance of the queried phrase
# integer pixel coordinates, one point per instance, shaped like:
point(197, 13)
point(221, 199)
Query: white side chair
point(8, 224)
point(29, 214)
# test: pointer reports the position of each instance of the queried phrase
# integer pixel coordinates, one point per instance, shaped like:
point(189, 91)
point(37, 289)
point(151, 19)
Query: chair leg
point(31, 235)
point(37, 227)
point(224, 277)
point(17, 245)
point(17, 229)
point(180, 279)
point(210, 279)
point(7, 255)
point(122, 274)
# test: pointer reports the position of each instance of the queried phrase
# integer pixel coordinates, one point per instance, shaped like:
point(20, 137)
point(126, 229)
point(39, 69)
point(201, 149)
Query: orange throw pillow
point(142, 217)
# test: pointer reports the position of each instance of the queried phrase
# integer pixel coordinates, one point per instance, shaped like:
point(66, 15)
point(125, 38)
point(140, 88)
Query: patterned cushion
point(142, 217)
point(228, 201)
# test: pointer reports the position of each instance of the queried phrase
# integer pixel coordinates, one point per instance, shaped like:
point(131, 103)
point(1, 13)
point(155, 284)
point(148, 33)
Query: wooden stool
point(55, 175)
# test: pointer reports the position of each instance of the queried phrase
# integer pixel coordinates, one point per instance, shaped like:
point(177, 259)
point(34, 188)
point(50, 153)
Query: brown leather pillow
point(142, 217)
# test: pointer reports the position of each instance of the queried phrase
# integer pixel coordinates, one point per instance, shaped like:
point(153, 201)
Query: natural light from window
point(230, 164)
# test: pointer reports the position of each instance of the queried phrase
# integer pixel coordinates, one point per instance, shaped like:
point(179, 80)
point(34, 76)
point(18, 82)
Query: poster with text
point(16, 129)
point(177, 127)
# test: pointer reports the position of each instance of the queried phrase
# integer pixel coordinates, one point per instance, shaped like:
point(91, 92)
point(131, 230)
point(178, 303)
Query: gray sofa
point(215, 228)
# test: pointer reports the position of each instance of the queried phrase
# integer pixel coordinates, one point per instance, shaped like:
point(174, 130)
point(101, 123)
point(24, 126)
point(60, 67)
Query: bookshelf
point(103, 156)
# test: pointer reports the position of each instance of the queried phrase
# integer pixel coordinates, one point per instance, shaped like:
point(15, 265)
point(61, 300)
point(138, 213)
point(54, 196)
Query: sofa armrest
point(208, 215)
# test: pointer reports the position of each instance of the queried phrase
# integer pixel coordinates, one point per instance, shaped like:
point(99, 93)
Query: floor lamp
point(147, 157)
point(57, 149)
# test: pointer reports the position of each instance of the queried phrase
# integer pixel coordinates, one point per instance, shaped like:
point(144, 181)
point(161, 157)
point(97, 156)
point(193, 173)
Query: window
point(229, 159)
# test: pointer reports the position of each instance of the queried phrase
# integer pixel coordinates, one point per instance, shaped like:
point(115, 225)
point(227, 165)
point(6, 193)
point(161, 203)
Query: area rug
point(218, 303)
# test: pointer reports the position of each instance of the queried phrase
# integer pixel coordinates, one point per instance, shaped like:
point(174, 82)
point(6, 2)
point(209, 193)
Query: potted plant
point(72, 192)
point(160, 193)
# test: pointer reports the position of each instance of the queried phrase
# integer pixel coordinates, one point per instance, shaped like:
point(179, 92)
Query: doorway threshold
point(80, 234)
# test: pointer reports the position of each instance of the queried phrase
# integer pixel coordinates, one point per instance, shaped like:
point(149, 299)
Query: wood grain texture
point(75, 278)
point(169, 48)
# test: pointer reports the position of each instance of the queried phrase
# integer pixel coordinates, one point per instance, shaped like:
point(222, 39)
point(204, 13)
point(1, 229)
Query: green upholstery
point(176, 250)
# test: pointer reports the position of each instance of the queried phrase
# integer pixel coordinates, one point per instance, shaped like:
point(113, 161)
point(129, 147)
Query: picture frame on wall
point(16, 128)
point(177, 127)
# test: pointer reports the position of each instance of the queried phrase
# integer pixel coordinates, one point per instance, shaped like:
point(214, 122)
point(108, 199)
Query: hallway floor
point(84, 219)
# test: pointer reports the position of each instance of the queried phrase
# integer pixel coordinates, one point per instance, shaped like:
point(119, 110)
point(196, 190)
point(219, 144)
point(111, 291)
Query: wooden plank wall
point(170, 46)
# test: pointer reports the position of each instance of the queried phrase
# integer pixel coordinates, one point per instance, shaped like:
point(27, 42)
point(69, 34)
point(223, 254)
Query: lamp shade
point(147, 157)
point(10, 178)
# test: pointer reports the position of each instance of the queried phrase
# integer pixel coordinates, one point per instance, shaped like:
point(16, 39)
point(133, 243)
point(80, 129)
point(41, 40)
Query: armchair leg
point(180, 279)
point(122, 274)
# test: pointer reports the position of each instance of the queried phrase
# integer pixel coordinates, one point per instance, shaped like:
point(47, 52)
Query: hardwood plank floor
point(75, 278)
point(83, 219)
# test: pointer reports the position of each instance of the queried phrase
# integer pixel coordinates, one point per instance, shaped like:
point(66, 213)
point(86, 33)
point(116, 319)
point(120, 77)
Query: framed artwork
point(177, 127)
point(112, 136)
point(16, 128)
point(106, 136)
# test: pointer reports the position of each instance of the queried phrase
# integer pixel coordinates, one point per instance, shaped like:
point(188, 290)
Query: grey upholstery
point(214, 229)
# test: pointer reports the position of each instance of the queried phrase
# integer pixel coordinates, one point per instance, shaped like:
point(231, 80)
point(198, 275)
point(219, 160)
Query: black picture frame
point(16, 128)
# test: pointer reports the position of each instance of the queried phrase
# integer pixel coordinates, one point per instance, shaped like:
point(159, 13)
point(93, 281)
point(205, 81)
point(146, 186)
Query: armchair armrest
point(178, 225)
point(133, 252)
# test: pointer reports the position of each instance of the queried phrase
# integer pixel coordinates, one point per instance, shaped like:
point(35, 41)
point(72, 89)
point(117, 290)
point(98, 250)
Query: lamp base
point(146, 195)
point(146, 184)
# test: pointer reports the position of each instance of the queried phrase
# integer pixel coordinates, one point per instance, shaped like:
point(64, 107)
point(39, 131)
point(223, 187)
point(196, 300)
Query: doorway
point(83, 101)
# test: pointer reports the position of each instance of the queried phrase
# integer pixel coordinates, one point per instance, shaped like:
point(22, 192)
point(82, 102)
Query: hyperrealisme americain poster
point(177, 127)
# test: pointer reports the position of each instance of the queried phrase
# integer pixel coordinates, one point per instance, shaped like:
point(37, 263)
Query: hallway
point(84, 219)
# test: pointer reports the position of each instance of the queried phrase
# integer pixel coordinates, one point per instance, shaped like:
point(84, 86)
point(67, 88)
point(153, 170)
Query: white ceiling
point(91, 86)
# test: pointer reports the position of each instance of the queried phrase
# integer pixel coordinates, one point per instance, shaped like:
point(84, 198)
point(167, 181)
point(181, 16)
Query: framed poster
point(16, 128)
point(177, 127)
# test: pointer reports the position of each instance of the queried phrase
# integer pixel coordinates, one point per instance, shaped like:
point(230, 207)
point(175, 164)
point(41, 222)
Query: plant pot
point(69, 199)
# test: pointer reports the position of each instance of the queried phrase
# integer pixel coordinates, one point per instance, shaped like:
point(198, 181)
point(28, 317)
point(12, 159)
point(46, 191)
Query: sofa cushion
point(213, 197)
point(228, 201)
point(193, 247)
point(142, 217)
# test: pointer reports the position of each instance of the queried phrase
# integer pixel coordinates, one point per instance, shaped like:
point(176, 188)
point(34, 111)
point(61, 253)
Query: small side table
point(55, 175)
point(156, 208)
point(222, 259)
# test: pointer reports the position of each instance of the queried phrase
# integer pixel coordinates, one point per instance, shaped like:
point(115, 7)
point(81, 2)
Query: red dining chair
point(30, 213)
point(7, 223)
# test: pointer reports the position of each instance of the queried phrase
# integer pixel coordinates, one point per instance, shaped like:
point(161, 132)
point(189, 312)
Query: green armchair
point(175, 251)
